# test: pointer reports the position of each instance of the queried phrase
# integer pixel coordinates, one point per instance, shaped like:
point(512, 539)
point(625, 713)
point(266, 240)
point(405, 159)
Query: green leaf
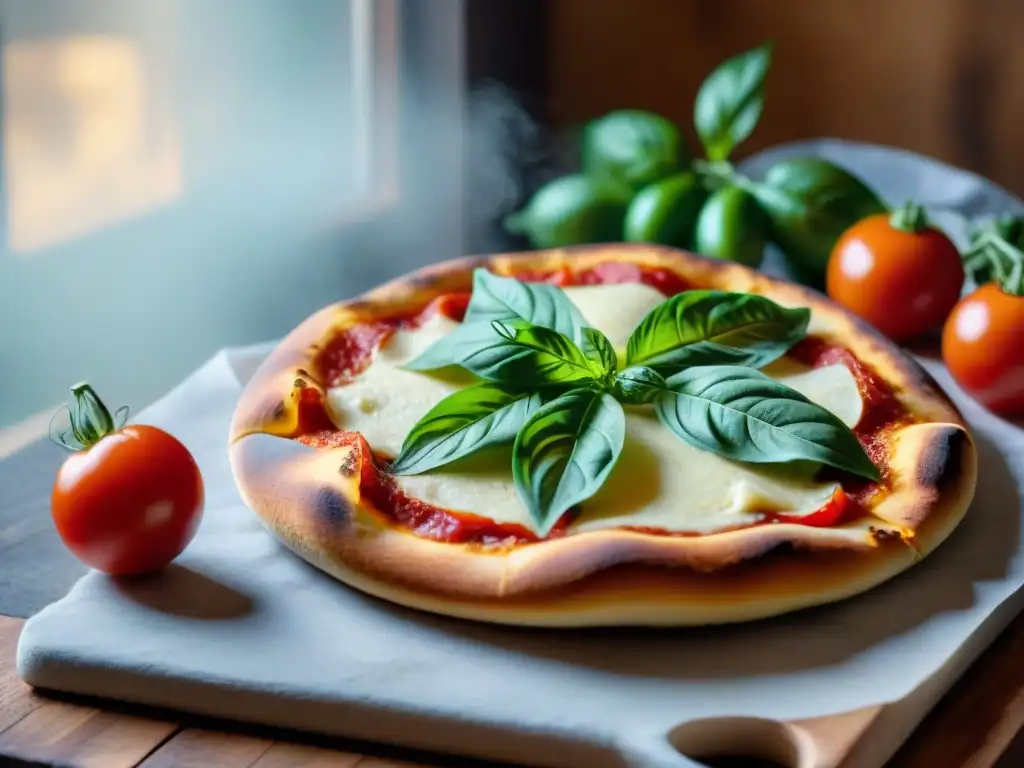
point(506, 299)
point(463, 423)
point(502, 299)
point(811, 202)
point(529, 356)
point(598, 349)
point(565, 451)
point(730, 101)
point(632, 148)
point(639, 385)
point(715, 327)
point(453, 348)
point(742, 414)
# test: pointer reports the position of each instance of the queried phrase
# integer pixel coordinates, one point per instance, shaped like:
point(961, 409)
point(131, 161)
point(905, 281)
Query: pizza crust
point(309, 498)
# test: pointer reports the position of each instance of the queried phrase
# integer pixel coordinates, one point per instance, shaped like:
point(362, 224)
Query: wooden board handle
point(822, 742)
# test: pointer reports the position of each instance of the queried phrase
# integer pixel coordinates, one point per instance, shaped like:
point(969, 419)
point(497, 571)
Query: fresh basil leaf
point(811, 202)
point(502, 299)
point(715, 327)
point(730, 101)
point(639, 385)
point(466, 421)
point(742, 414)
point(598, 349)
point(452, 348)
point(506, 299)
point(528, 356)
point(564, 452)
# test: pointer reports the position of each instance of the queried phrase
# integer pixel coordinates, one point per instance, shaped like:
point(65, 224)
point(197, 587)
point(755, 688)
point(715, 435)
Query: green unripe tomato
point(634, 148)
point(732, 226)
point(572, 210)
point(666, 211)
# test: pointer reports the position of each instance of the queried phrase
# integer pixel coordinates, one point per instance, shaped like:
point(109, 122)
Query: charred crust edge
point(349, 465)
point(331, 507)
point(942, 458)
point(280, 411)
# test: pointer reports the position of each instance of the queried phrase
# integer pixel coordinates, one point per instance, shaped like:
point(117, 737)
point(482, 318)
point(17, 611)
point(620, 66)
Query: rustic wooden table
point(975, 726)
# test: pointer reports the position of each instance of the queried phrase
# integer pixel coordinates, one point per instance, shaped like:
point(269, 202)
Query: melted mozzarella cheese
point(658, 482)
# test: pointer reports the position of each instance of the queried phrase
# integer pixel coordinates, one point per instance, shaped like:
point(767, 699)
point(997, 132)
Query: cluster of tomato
point(906, 277)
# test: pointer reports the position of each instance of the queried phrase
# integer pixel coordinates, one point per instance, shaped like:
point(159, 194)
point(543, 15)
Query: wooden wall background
point(941, 77)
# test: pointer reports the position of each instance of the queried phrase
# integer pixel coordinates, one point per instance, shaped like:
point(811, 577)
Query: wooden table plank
point(197, 748)
point(63, 733)
point(987, 703)
point(282, 755)
point(16, 699)
point(37, 568)
point(200, 748)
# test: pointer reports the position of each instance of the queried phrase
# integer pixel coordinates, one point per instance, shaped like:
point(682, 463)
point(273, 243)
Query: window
point(184, 175)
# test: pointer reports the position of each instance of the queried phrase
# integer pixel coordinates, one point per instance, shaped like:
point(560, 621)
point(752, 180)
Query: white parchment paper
point(243, 629)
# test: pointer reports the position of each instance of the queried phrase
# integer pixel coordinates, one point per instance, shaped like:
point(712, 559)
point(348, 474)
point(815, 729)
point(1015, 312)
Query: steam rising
point(469, 162)
point(508, 155)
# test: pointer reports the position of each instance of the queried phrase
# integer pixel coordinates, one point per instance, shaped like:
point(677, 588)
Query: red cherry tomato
point(831, 514)
point(129, 500)
point(450, 305)
point(897, 272)
point(983, 347)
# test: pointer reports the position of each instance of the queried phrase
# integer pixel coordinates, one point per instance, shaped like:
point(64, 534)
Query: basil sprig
point(463, 423)
point(522, 354)
point(552, 387)
point(565, 451)
point(504, 300)
point(715, 327)
point(730, 101)
point(746, 416)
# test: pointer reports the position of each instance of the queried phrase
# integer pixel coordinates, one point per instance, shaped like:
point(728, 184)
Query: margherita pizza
point(602, 435)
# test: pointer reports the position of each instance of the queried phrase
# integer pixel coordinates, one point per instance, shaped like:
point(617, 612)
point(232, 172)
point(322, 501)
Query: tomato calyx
point(89, 420)
point(993, 255)
point(911, 217)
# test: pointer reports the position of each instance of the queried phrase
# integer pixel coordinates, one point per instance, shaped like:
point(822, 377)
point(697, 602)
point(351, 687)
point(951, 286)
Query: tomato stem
point(911, 217)
point(90, 419)
point(1010, 281)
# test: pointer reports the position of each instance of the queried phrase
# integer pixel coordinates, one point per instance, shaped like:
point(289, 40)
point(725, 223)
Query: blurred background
point(183, 175)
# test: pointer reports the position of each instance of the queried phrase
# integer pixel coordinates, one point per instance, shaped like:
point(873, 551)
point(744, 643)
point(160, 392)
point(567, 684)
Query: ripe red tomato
point(129, 500)
point(983, 347)
point(830, 515)
point(897, 272)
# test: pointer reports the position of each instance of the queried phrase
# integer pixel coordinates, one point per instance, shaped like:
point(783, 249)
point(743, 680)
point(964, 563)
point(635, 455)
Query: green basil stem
point(90, 419)
point(719, 173)
point(910, 217)
point(719, 170)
